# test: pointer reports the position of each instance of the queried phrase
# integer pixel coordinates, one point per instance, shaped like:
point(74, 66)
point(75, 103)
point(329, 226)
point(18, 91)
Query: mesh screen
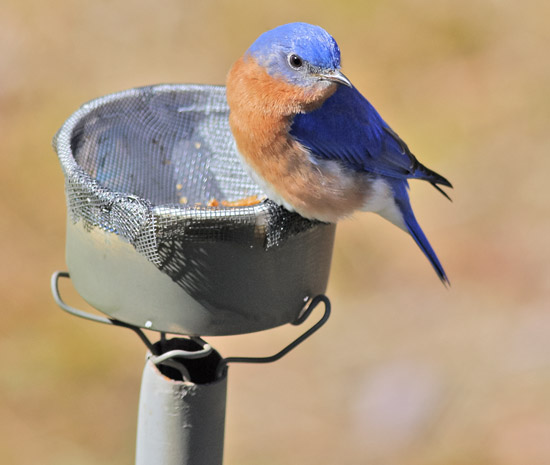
point(145, 163)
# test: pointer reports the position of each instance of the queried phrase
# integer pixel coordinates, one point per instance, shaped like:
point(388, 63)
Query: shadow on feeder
point(145, 248)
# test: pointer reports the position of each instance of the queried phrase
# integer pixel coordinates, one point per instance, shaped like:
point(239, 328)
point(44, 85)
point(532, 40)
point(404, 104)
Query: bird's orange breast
point(261, 111)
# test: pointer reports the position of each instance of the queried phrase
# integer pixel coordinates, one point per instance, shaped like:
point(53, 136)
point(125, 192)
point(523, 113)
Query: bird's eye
point(295, 61)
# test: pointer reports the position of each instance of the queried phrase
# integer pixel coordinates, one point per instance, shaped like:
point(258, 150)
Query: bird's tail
point(422, 172)
point(414, 229)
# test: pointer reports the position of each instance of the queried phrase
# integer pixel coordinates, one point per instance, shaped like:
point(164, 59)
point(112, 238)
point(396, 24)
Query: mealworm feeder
point(144, 247)
point(155, 240)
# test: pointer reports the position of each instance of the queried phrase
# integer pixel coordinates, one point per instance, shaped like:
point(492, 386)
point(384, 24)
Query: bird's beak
point(336, 76)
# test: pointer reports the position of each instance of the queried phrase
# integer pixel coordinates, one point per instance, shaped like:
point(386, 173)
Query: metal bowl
point(143, 245)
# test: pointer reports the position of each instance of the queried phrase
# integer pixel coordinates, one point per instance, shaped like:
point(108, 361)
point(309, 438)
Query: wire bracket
point(222, 367)
point(167, 358)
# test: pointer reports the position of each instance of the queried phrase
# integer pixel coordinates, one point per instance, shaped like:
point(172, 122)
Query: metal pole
point(181, 422)
point(181, 419)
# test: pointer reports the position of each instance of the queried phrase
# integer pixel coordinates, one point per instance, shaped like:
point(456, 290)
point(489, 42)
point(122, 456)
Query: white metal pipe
point(180, 422)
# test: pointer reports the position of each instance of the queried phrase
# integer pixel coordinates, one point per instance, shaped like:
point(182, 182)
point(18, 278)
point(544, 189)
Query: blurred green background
point(405, 372)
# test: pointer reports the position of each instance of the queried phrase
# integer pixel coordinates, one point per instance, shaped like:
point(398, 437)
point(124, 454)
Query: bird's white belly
point(380, 200)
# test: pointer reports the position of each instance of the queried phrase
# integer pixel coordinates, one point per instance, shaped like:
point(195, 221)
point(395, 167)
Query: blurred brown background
point(406, 372)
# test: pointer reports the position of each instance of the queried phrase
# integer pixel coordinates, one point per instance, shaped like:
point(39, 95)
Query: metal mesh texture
point(144, 163)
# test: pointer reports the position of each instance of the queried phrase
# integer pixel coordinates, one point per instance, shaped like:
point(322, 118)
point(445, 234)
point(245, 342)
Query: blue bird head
point(300, 53)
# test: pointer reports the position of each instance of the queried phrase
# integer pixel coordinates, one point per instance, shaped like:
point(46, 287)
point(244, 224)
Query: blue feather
point(312, 43)
point(348, 128)
point(401, 197)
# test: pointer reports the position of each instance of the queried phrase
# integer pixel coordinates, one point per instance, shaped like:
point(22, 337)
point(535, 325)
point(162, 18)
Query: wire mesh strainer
point(144, 247)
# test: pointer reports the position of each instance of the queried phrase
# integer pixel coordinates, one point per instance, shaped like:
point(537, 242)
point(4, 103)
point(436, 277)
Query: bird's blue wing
point(348, 128)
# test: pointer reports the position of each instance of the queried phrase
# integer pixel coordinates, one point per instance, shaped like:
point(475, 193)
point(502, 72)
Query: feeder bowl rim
point(62, 144)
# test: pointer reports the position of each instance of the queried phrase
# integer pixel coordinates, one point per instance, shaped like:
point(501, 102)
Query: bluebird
point(312, 142)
